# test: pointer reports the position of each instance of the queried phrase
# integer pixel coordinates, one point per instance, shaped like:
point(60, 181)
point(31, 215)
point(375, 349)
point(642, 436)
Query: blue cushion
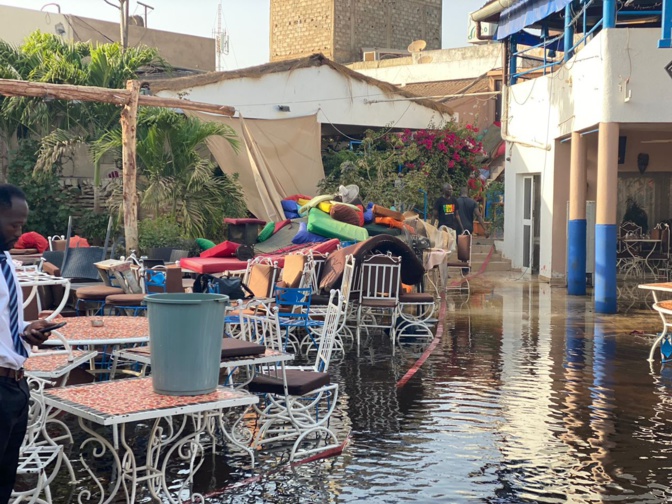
point(290, 206)
point(304, 236)
point(368, 214)
point(291, 215)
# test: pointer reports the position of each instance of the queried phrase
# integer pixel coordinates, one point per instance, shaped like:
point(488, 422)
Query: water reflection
point(529, 397)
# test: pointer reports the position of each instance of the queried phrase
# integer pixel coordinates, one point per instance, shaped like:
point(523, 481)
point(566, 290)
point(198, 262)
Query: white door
point(528, 221)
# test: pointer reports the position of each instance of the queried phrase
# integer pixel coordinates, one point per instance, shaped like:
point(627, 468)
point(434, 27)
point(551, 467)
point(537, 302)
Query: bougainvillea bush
point(397, 168)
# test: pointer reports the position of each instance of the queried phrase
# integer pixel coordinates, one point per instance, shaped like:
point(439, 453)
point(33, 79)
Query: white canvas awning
point(277, 158)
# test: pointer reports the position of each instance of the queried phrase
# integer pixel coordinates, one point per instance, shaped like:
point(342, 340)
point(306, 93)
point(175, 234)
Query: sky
point(246, 21)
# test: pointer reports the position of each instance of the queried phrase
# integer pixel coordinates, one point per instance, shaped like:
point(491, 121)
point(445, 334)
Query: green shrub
point(50, 205)
point(158, 232)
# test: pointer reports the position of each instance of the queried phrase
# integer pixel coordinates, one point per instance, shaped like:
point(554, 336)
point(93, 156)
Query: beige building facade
point(343, 30)
point(180, 50)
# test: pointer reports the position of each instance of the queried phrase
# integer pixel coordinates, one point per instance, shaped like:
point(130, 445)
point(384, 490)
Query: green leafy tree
point(398, 169)
point(66, 125)
point(175, 180)
point(50, 205)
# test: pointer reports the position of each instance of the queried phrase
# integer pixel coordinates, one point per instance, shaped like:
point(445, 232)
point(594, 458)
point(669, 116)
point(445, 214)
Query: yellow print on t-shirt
point(448, 209)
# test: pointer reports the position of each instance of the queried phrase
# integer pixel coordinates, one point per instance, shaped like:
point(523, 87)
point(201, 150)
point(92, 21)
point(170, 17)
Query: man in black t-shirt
point(467, 208)
point(445, 210)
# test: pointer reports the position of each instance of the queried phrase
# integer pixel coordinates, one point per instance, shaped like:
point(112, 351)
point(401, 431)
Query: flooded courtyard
point(528, 397)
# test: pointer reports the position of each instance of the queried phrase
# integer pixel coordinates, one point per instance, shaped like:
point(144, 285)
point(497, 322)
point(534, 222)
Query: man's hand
point(33, 336)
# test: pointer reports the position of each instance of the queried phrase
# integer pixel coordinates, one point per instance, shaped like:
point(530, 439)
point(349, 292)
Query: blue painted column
point(605, 227)
point(665, 41)
point(513, 59)
point(608, 13)
point(568, 39)
point(576, 238)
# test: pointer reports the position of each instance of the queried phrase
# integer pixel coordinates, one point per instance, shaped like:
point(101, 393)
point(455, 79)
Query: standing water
point(528, 397)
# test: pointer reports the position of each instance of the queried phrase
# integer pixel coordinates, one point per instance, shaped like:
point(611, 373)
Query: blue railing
point(551, 46)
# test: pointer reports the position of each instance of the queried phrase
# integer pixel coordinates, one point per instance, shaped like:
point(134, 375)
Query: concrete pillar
point(576, 273)
point(605, 227)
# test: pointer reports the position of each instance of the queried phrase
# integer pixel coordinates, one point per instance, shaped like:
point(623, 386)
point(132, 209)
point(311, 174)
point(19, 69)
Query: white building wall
point(618, 77)
point(335, 98)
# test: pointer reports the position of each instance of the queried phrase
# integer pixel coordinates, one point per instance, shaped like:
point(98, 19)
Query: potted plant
point(160, 237)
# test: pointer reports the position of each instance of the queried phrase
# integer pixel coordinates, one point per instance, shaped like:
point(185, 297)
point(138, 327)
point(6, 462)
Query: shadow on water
point(529, 397)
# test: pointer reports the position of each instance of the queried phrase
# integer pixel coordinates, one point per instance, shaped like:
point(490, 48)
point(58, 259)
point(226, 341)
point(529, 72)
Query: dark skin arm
point(32, 336)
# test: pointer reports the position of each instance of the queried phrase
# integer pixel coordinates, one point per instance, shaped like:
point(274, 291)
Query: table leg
point(187, 448)
point(98, 447)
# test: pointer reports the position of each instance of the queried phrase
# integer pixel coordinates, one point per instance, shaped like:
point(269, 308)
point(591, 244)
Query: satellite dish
point(417, 46)
point(348, 193)
point(425, 59)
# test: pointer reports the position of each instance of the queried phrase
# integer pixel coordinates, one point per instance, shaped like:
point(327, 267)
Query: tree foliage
point(398, 169)
point(175, 180)
point(50, 206)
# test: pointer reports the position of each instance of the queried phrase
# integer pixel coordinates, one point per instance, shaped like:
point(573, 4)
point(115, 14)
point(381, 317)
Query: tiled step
point(502, 265)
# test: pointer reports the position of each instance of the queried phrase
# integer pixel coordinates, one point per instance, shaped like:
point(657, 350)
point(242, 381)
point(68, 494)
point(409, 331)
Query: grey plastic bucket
point(185, 335)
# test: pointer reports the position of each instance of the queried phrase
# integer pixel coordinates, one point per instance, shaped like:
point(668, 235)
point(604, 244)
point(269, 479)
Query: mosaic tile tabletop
point(115, 329)
point(55, 364)
point(121, 401)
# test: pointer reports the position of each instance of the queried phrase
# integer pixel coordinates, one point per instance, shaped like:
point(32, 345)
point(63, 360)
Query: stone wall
point(341, 28)
point(384, 24)
point(300, 28)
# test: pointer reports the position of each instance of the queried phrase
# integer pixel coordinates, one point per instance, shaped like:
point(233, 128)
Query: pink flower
point(451, 164)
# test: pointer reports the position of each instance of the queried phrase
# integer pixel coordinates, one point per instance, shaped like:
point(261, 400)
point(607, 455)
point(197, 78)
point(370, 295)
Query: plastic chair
point(294, 313)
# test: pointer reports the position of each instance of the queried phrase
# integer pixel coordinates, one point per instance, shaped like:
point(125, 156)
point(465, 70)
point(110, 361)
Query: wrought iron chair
point(39, 462)
point(297, 402)
point(319, 303)
point(380, 282)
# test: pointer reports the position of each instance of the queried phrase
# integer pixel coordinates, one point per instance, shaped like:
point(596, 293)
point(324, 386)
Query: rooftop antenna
point(221, 39)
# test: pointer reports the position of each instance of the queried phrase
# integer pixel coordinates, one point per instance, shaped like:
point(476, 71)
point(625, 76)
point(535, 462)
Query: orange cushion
point(32, 240)
point(393, 223)
point(224, 249)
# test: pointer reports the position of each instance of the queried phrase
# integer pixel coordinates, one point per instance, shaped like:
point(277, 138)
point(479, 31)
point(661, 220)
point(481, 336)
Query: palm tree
point(174, 178)
point(64, 125)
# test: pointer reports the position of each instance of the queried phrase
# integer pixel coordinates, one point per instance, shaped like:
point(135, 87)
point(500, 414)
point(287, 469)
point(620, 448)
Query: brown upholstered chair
point(463, 262)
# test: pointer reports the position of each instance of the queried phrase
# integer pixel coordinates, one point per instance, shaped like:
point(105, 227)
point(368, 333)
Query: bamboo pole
point(9, 87)
point(129, 116)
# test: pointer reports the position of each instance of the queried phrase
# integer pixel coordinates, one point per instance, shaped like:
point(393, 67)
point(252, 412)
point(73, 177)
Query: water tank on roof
point(137, 20)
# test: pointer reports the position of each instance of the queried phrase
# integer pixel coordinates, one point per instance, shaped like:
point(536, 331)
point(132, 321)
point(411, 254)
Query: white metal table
point(664, 309)
point(116, 404)
point(142, 355)
point(31, 277)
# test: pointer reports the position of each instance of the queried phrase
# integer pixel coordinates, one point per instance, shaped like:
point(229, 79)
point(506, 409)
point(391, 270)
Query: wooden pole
point(10, 87)
point(129, 116)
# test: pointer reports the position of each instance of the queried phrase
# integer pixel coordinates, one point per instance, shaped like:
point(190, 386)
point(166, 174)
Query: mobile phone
point(52, 327)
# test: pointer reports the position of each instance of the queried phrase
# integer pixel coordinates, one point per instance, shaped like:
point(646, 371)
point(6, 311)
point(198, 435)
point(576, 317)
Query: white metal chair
point(318, 308)
point(39, 462)
point(296, 402)
point(380, 283)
